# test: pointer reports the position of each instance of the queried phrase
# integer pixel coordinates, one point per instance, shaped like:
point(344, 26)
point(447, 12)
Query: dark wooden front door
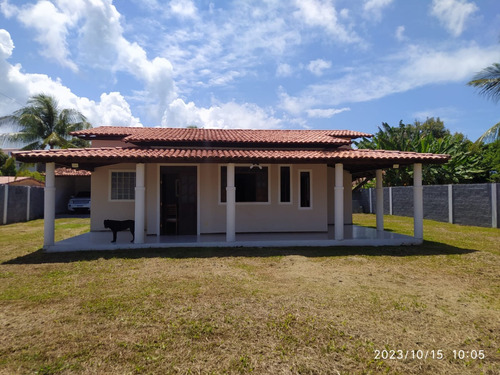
point(178, 200)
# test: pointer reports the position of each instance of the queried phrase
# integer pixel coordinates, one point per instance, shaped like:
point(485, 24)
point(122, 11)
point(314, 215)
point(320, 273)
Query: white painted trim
point(390, 200)
point(311, 195)
point(269, 200)
point(230, 203)
point(494, 212)
point(450, 204)
point(198, 203)
point(140, 202)
point(279, 184)
point(380, 200)
point(110, 173)
point(5, 203)
point(28, 204)
point(371, 199)
point(418, 202)
point(339, 201)
point(49, 199)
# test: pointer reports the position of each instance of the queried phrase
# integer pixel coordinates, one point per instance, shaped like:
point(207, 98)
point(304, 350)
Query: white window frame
point(268, 166)
point(110, 184)
point(279, 184)
point(310, 189)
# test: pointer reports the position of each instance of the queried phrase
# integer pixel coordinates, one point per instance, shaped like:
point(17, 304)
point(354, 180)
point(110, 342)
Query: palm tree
point(491, 135)
point(41, 123)
point(488, 81)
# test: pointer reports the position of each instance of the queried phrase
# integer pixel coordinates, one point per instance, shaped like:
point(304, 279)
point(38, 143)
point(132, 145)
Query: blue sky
point(318, 64)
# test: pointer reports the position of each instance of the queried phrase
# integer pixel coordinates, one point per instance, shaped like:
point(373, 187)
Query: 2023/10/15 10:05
point(428, 354)
point(468, 354)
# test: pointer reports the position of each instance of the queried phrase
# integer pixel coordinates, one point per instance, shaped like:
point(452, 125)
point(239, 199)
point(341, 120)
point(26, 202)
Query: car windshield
point(83, 194)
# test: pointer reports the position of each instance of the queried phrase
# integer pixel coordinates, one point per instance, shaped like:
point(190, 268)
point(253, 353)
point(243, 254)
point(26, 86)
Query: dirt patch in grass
point(275, 311)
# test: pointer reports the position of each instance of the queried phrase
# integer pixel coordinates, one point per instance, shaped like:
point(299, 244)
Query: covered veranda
point(354, 235)
point(337, 235)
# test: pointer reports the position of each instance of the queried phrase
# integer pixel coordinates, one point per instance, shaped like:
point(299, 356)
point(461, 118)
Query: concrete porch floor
point(353, 236)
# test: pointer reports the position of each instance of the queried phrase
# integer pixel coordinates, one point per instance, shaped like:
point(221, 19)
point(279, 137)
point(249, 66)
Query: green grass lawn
point(273, 311)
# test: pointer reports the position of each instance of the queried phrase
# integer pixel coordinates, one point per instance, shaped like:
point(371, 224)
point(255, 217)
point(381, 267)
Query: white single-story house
point(193, 183)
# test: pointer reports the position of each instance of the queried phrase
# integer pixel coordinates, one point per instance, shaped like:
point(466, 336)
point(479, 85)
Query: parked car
point(79, 202)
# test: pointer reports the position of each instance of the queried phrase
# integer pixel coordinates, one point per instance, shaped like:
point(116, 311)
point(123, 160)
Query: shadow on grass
point(426, 249)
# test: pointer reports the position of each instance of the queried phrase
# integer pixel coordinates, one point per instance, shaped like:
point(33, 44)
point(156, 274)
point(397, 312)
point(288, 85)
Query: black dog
point(117, 225)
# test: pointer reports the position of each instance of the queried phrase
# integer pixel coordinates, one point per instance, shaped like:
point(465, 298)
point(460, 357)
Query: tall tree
point(42, 123)
point(488, 83)
point(429, 137)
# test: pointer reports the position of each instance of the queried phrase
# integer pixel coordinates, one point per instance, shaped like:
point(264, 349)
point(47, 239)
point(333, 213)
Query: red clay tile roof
point(20, 181)
point(111, 155)
point(107, 131)
point(231, 136)
point(70, 172)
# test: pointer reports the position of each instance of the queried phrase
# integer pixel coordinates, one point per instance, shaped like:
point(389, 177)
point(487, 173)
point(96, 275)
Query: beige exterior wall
point(102, 207)
point(265, 217)
point(347, 197)
point(250, 217)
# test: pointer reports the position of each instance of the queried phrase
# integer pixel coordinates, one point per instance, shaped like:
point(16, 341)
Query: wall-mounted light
point(74, 165)
point(256, 165)
point(395, 166)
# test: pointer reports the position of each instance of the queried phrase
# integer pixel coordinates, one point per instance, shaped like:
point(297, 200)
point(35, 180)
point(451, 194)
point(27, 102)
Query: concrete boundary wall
point(20, 203)
point(467, 204)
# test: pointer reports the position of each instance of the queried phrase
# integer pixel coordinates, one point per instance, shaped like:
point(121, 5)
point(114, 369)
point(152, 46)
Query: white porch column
point(418, 202)
point(49, 208)
point(380, 200)
point(230, 205)
point(140, 198)
point(339, 201)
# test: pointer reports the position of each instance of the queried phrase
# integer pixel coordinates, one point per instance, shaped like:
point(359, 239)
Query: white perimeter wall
point(250, 217)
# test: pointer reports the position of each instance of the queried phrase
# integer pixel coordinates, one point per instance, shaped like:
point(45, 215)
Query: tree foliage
point(431, 136)
point(41, 124)
point(491, 158)
point(488, 82)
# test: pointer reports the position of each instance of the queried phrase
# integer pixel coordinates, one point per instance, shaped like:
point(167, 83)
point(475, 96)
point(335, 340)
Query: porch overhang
point(354, 160)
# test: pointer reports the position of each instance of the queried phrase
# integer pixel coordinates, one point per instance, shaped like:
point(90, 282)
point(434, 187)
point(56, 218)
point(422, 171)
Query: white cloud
point(284, 70)
point(317, 67)
point(6, 44)
point(20, 86)
point(183, 8)
point(237, 39)
point(226, 115)
point(101, 43)
point(225, 78)
point(51, 26)
point(325, 113)
point(373, 8)
point(322, 13)
point(416, 67)
point(400, 33)
point(453, 14)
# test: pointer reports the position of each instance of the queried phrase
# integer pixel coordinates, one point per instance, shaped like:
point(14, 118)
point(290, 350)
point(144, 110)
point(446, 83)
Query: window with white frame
point(252, 184)
point(122, 185)
point(305, 199)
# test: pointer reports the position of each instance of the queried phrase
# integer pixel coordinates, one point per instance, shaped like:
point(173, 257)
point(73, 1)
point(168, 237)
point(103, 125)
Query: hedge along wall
point(20, 203)
point(468, 204)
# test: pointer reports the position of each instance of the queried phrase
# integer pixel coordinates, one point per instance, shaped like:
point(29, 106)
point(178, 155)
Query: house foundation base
point(353, 236)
